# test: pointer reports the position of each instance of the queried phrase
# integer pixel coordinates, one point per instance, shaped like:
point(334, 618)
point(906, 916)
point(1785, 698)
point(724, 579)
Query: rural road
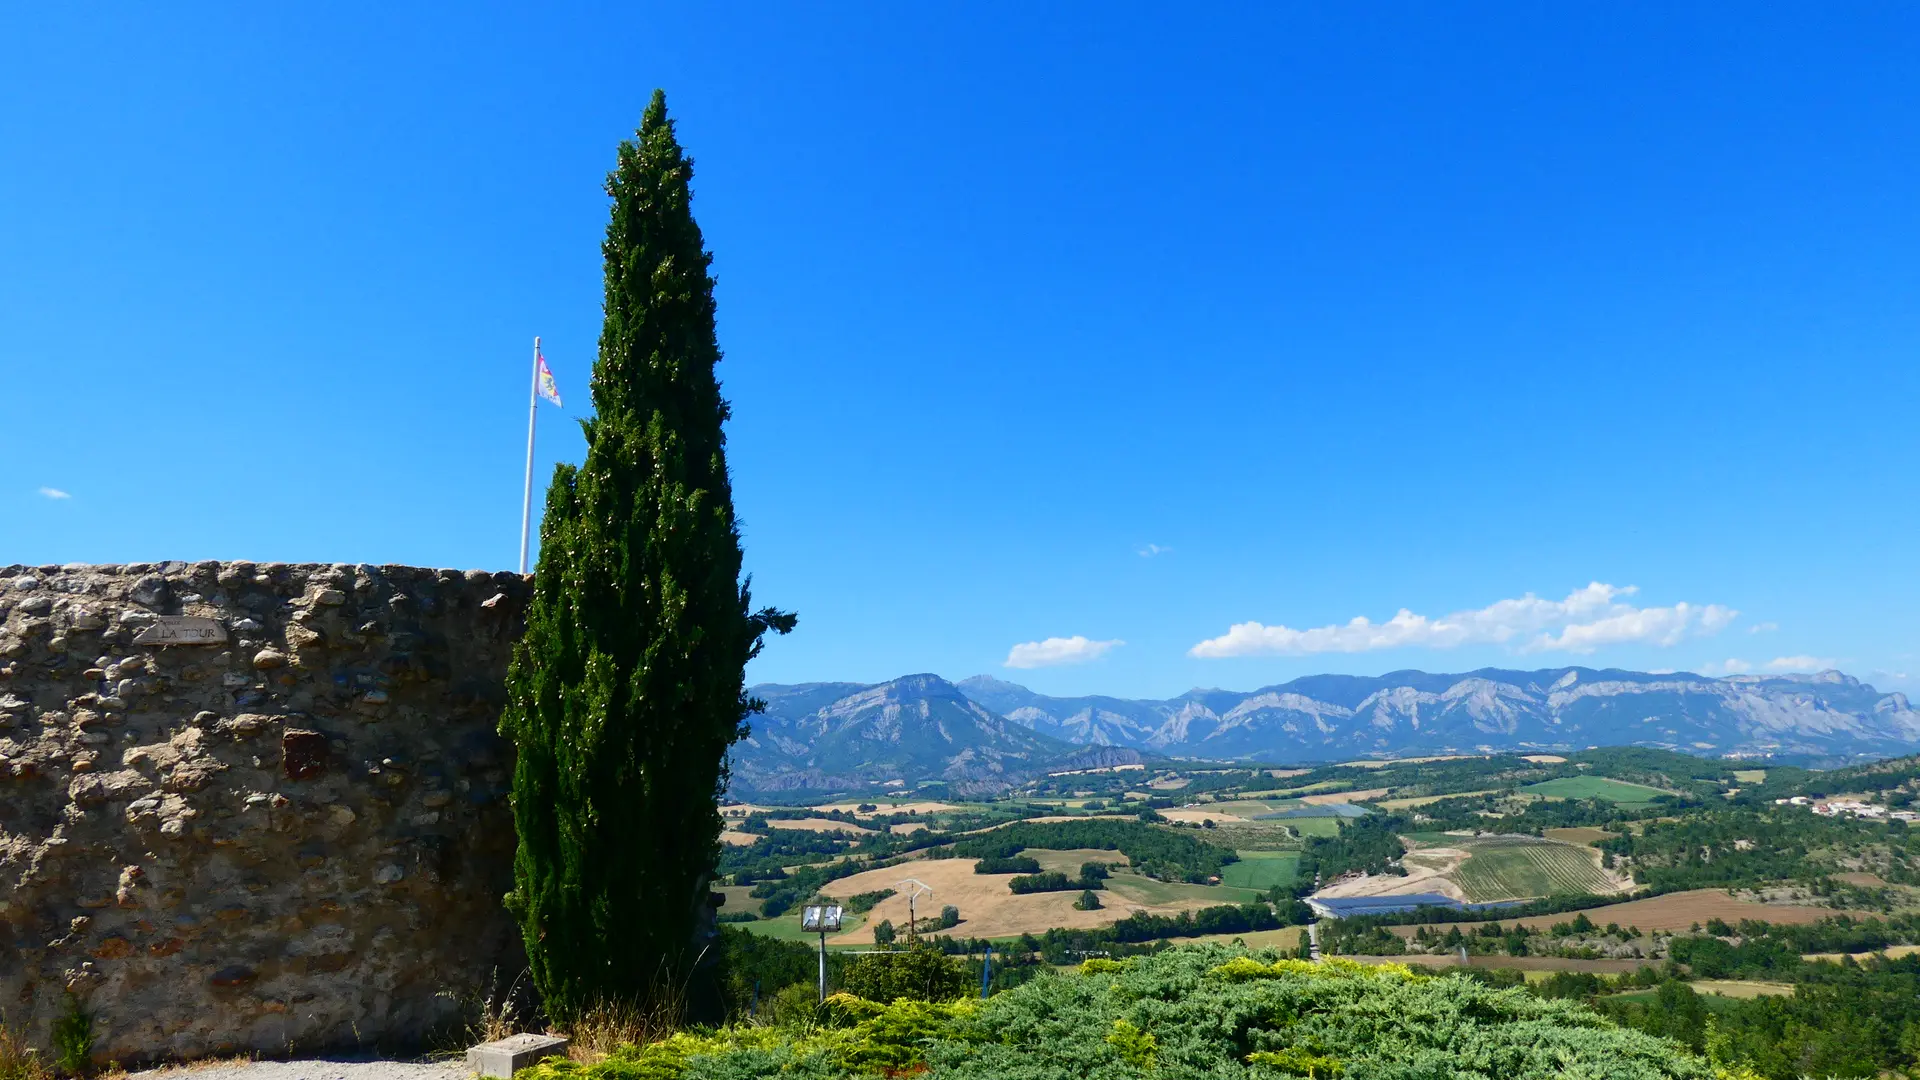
point(317, 1069)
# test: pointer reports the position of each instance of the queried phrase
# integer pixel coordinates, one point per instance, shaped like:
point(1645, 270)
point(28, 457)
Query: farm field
point(1148, 892)
point(1248, 808)
point(989, 910)
point(1261, 870)
point(1578, 835)
point(1504, 869)
point(1740, 989)
point(1891, 952)
point(1196, 815)
point(816, 824)
point(1287, 937)
point(1535, 967)
point(1329, 798)
point(1680, 910)
point(1068, 861)
point(1315, 826)
point(922, 806)
point(1423, 800)
point(1594, 787)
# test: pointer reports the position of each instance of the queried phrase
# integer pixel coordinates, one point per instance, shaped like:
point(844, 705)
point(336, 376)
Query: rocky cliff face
point(1325, 716)
point(828, 736)
point(252, 807)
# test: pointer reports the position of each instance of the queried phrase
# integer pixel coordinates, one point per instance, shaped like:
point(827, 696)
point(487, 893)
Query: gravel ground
point(319, 1069)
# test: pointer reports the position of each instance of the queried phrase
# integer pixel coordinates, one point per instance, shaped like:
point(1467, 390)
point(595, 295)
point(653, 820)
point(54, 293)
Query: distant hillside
point(835, 736)
point(1825, 716)
point(984, 735)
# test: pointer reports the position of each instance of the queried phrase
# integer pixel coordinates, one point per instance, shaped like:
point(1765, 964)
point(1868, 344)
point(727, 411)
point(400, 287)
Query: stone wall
point(279, 826)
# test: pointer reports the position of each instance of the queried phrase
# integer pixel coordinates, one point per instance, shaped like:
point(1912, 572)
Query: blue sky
point(1198, 331)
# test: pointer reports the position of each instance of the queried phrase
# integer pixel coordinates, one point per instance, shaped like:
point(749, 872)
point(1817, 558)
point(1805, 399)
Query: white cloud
point(1763, 628)
point(1729, 666)
point(1150, 550)
point(1587, 619)
point(54, 493)
point(1058, 650)
point(1802, 663)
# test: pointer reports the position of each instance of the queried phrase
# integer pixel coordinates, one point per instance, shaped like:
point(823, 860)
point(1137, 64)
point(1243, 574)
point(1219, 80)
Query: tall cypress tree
point(627, 688)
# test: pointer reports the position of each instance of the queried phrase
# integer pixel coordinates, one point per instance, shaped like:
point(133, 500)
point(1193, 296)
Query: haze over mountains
point(984, 733)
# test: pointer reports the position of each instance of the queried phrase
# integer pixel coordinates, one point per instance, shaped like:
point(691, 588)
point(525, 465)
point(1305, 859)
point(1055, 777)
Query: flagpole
point(526, 496)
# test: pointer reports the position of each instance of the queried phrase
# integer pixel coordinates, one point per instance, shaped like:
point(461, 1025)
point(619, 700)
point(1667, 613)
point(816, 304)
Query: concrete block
point(507, 1056)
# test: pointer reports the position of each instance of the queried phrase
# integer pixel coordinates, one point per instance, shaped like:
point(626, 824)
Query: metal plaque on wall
point(182, 630)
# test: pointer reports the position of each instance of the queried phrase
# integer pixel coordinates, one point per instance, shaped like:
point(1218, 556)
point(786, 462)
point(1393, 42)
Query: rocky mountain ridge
point(1407, 712)
point(984, 734)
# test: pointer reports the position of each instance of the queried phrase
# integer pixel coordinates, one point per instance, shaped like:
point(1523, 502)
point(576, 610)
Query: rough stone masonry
point(252, 807)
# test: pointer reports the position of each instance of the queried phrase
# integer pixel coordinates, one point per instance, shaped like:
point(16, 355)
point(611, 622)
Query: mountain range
point(984, 734)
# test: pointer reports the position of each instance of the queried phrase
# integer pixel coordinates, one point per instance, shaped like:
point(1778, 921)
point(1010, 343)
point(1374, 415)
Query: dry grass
point(1536, 967)
point(1744, 989)
point(18, 1061)
point(1680, 910)
point(987, 908)
point(1891, 952)
point(1328, 798)
point(1862, 878)
point(1545, 759)
point(1195, 817)
point(606, 1027)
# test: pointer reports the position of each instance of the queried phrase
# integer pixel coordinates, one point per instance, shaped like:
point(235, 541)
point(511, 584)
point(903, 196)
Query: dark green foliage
point(1154, 851)
point(766, 858)
point(1370, 844)
point(949, 917)
point(626, 689)
point(1089, 901)
point(747, 960)
point(861, 903)
point(782, 895)
point(1050, 881)
point(1012, 864)
point(920, 973)
point(883, 932)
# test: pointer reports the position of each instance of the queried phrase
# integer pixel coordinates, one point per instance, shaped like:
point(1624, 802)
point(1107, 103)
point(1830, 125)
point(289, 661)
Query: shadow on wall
point(253, 807)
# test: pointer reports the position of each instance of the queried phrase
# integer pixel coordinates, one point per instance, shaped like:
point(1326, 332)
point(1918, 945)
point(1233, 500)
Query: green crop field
point(1512, 870)
point(1594, 787)
point(1145, 890)
point(1312, 826)
point(1261, 870)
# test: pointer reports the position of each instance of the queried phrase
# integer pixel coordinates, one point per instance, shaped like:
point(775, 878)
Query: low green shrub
point(1195, 1011)
point(73, 1039)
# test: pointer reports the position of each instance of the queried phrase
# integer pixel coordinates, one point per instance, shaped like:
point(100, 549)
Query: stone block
point(507, 1056)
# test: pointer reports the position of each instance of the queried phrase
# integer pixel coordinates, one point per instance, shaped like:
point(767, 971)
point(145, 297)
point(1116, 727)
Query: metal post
point(986, 972)
point(823, 966)
point(526, 495)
